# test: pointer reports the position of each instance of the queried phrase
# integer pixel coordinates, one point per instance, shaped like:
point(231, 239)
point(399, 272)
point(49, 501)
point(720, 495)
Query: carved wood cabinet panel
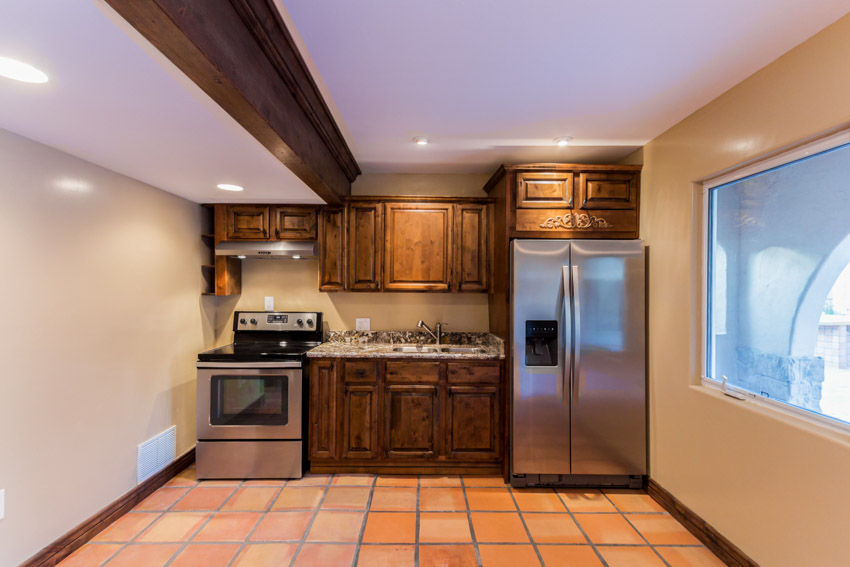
point(567, 200)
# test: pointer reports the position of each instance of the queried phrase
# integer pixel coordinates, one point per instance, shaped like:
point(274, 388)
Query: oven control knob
point(309, 322)
point(253, 321)
point(300, 323)
point(243, 321)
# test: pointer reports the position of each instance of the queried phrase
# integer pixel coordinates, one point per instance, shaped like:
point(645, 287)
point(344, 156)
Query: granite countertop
point(380, 344)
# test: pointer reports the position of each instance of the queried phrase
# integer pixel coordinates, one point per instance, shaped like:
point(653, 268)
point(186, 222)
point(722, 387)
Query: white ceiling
point(494, 81)
point(115, 101)
point(488, 81)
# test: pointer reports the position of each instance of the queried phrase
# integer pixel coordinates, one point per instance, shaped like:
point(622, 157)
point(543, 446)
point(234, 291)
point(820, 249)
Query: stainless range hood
point(271, 250)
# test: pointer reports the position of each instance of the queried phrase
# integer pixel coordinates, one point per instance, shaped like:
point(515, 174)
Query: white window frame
point(753, 168)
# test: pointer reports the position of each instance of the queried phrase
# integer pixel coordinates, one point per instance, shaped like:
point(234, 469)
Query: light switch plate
point(363, 324)
point(2, 503)
point(269, 303)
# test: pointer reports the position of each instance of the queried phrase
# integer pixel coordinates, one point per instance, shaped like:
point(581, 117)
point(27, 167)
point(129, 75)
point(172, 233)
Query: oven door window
point(249, 400)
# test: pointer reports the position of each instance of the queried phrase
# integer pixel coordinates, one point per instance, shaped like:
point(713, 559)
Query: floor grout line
point(581, 529)
point(356, 557)
point(203, 524)
point(251, 532)
point(471, 527)
point(524, 525)
point(416, 535)
point(313, 519)
point(623, 514)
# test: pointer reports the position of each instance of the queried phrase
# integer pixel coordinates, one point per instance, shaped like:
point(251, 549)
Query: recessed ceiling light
point(563, 141)
point(229, 187)
point(421, 140)
point(19, 71)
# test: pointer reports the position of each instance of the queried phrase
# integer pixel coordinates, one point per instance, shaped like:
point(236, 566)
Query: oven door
point(249, 400)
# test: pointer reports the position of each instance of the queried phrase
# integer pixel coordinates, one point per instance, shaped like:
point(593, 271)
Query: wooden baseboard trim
point(724, 549)
point(79, 536)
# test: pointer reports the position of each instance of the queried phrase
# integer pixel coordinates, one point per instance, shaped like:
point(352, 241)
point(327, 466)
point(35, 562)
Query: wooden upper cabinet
point(472, 248)
point(332, 249)
point(418, 247)
point(365, 246)
point(247, 222)
point(294, 223)
point(604, 190)
point(544, 190)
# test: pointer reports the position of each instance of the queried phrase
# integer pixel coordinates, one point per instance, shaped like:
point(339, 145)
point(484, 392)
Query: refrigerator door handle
point(575, 284)
point(568, 359)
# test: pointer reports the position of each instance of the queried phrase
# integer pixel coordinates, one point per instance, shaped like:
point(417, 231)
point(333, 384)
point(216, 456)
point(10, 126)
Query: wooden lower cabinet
point(412, 417)
point(472, 422)
point(406, 416)
point(322, 432)
point(360, 421)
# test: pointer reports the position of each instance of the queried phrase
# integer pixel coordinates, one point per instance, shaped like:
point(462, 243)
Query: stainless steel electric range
point(251, 411)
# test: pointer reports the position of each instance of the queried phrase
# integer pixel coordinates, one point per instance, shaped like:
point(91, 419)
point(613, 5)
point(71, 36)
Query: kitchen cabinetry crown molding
point(241, 54)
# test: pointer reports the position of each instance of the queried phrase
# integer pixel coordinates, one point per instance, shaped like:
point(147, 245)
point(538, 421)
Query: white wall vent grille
point(156, 453)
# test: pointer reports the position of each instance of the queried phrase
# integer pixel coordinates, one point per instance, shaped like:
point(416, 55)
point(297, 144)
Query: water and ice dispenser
point(541, 343)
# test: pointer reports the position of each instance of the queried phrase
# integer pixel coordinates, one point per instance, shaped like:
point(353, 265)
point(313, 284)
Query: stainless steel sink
point(415, 349)
point(462, 350)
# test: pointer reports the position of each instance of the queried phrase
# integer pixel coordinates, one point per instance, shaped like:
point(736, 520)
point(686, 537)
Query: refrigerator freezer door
point(608, 406)
point(540, 402)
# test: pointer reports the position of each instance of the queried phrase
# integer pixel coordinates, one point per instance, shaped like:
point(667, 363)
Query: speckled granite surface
point(380, 344)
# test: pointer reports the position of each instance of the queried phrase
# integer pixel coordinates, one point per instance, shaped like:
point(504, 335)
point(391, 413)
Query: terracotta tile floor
point(390, 521)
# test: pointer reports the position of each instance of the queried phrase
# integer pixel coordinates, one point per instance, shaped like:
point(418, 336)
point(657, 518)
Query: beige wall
point(294, 284)
point(774, 485)
point(101, 324)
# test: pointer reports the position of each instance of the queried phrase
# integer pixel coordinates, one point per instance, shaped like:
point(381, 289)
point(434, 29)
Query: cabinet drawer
point(466, 372)
point(539, 190)
point(427, 372)
point(608, 190)
point(361, 371)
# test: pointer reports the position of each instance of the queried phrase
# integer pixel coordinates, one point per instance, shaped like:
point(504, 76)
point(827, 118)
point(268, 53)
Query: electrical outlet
point(2, 503)
point(363, 324)
point(269, 303)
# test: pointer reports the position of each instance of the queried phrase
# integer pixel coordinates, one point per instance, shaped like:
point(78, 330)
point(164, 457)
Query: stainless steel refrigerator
point(578, 399)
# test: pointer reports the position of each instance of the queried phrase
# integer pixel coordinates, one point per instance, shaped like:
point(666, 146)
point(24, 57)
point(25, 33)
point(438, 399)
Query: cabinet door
point(412, 416)
point(295, 223)
point(472, 422)
point(323, 424)
point(247, 222)
point(360, 422)
point(332, 249)
point(603, 190)
point(365, 246)
point(544, 190)
point(472, 248)
point(418, 247)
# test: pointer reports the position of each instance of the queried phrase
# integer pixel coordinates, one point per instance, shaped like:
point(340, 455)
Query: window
point(778, 281)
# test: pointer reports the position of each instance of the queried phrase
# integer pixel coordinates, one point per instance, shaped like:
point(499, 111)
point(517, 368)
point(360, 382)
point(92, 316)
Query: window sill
point(791, 415)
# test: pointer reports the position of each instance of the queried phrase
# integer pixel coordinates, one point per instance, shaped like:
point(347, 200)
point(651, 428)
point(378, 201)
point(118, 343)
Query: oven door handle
point(248, 365)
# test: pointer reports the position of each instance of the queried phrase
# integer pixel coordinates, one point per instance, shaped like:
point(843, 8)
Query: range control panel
point(275, 321)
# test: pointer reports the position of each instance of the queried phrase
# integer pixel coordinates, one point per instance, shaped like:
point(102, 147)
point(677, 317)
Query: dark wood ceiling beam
point(241, 54)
